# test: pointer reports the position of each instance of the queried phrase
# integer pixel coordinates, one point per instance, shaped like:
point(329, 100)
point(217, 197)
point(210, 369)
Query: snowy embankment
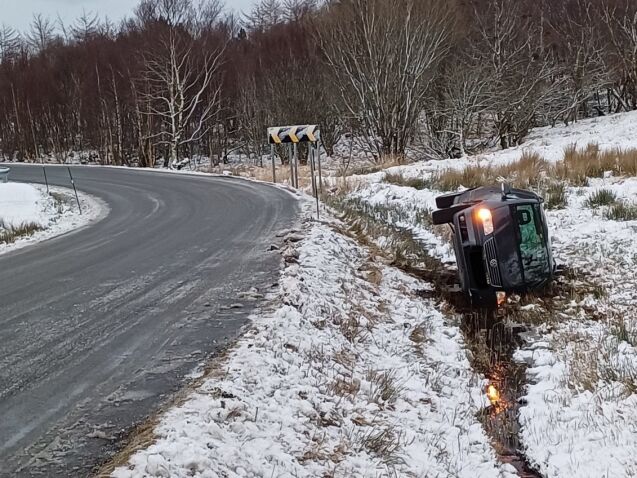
point(29, 215)
point(578, 415)
point(350, 374)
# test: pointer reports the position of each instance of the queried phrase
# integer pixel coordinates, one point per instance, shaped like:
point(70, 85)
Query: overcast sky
point(18, 13)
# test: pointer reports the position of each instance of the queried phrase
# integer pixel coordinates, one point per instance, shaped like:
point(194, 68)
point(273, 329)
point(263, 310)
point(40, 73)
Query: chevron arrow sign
point(294, 134)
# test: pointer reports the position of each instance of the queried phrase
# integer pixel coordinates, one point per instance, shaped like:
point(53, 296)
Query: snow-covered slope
point(582, 376)
point(46, 215)
point(352, 374)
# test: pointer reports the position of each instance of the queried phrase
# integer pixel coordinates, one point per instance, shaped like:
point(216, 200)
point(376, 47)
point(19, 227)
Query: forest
point(421, 78)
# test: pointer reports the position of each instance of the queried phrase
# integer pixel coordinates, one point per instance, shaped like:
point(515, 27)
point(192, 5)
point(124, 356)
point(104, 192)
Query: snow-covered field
point(578, 415)
point(45, 215)
point(349, 373)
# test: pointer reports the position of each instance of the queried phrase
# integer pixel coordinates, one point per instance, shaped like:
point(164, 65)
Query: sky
point(18, 13)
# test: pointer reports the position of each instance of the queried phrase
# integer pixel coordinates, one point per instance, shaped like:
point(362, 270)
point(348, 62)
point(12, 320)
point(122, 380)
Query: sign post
point(292, 136)
point(273, 165)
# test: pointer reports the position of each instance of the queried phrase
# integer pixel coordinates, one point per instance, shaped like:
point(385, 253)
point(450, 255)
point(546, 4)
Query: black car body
point(501, 241)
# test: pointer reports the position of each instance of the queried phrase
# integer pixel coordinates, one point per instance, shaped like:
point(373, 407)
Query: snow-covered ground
point(578, 415)
point(349, 373)
point(48, 215)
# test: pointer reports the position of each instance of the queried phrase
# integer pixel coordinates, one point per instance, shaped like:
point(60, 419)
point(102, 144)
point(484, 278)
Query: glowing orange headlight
point(487, 220)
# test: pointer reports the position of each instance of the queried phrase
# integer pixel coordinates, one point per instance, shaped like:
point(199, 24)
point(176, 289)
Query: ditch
point(491, 336)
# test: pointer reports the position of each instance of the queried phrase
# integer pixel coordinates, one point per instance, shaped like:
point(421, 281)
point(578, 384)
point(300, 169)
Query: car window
point(532, 243)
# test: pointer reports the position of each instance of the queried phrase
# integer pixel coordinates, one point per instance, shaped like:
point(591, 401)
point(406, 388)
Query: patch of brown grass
point(9, 234)
point(591, 162)
point(526, 172)
point(531, 171)
point(399, 179)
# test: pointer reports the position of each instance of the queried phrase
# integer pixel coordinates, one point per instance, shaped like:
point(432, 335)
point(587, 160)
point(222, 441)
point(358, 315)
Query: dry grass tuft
point(555, 195)
point(9, 234)
point(527, 172)
point(622, 211)
point(531, 171)
point(591, 162)
point(419, 334)
point(346, 386)
point(385, 389)
point(601, 197)
point(399, 179)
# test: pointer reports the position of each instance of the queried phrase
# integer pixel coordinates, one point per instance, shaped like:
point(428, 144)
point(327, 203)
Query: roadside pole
point(311, 155)
point(295, 147)
point(318, 156)
point(46, 181)
point(77, 198)
point(273, 165)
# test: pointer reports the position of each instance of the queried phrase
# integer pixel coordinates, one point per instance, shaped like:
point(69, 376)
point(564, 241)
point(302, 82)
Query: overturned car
point(500, 239)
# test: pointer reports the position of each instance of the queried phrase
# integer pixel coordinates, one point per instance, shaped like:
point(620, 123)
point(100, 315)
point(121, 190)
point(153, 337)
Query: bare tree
point(172, 12)
point(86, 26)
point(522, 74)
point(621, 23)
point(9, 43)
point(383, 55)
point(41, 33)
point(580, 55)
point(179, 92)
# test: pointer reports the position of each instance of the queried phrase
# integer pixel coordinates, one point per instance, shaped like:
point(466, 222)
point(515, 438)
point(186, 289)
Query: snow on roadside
point(583, 373)
point(578, 414)
point(54, 214)
point(409, 205)
point(351, 375)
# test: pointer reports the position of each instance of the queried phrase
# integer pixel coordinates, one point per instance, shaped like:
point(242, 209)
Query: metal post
point(46, 181)
point(314, 186)
point(74, 189)
point(291, 165)
point(296, 165)
point(318, 156)
point(273, 165)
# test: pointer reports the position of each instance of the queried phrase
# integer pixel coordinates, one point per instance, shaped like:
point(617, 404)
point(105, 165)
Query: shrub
point(601, 197)
point(555, 195)
point(622, 211)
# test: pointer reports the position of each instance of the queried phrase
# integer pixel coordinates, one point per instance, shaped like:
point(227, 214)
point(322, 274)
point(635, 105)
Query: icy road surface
point(99, 327)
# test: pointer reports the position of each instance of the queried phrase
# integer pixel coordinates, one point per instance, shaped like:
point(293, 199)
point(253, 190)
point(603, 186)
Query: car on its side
point(501, 241)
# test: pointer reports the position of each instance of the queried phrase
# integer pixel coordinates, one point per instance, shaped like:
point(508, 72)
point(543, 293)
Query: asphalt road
point(99, 327)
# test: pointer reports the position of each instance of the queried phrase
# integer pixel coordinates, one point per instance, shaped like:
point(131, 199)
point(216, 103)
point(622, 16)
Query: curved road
point(99, 327)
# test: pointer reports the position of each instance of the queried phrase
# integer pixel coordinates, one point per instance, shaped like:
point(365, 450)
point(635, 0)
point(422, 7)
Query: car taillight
point(487, 220)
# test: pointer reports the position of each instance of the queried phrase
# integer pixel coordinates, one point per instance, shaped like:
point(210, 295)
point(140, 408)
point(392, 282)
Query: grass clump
point(527, 172)
point(399, 180)
point(531, 171)
point(601, 197)
point(555, 195)
point(591, 162)
point(10, 233)
point(622, 211)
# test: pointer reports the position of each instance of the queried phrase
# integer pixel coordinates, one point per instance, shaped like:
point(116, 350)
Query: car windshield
point(533, 251)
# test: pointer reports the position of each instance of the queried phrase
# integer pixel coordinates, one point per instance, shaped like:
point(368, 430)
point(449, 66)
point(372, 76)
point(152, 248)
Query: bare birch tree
point(180, 94)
